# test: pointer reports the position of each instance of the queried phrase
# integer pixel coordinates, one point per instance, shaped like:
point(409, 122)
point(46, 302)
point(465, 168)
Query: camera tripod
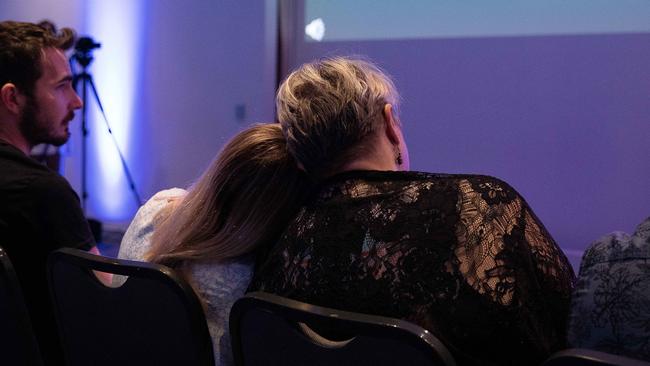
point(83, 56)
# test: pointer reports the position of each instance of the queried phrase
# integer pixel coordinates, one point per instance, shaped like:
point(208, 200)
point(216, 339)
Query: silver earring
point(398, 158)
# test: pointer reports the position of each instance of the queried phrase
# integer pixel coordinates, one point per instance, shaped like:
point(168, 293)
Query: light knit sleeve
point(137, 238)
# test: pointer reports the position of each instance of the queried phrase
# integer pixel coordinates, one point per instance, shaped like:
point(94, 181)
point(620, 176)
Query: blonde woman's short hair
point(329, 107)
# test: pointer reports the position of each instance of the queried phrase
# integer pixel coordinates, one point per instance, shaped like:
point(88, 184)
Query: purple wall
point(564, 119)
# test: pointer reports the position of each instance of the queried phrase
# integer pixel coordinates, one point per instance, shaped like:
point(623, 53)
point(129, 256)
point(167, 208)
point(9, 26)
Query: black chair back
point(154, 318)
point(584, 357)
point(267, 329)
point(18, 344)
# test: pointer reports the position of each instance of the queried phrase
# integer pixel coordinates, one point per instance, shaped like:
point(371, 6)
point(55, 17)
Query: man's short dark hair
point(21, 48)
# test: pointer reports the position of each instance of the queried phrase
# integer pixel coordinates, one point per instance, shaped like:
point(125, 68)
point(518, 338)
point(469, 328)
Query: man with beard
point(39, 210)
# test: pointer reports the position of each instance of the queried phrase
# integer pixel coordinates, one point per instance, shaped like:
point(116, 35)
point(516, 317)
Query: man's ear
point(11, 98)
point(392, 128)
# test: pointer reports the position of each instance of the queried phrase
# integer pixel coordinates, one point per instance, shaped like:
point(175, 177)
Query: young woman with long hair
point(213, 232)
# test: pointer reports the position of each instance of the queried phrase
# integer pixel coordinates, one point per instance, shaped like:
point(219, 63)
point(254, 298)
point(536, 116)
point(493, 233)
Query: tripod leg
point(125, 167)
point(84, 77)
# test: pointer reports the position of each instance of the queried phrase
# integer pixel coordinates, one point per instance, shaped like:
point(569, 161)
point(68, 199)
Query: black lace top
point(463, 256)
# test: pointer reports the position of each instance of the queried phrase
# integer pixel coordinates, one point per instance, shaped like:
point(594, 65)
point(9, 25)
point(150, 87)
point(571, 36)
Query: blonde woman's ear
point(391, 125)
point(396, 138)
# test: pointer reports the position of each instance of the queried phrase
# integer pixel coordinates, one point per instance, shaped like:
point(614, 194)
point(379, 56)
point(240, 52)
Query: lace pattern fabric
point(480, 235)
point(460, 255)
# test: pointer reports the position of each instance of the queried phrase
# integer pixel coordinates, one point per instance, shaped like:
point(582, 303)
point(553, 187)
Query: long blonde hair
point(241, 202)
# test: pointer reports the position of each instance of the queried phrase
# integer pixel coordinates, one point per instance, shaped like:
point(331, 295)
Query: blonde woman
point(461, 255)
point(213, 232)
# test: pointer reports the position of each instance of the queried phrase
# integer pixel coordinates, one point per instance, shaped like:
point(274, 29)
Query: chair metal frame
point(299, 314)
point(586, 357)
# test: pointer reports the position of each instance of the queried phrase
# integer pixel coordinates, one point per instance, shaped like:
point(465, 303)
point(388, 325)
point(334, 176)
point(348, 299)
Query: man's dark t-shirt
point(40, 213)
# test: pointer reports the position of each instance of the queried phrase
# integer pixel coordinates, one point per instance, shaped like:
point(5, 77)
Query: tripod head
point(83, 50)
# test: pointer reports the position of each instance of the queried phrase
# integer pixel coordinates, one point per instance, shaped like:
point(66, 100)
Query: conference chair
point(154, 318)
point(18, 344)
point(585, 357)
point(266, 329)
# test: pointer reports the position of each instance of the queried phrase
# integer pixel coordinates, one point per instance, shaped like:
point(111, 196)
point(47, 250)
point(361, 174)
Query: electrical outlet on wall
point(240, 112)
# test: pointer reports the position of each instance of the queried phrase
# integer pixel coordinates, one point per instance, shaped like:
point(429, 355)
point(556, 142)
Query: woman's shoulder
point(455, 181)
point(166, 194)
point(475, 179)
point(419, 188)
point(157, 202)
point(136, 239)
point(415, 175)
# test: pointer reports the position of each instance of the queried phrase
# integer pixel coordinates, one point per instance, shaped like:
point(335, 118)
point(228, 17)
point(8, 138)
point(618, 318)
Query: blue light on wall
point(118, 26)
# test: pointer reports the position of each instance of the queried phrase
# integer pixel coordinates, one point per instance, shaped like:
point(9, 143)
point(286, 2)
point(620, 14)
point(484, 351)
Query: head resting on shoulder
point(331, 110)
point(243, 201)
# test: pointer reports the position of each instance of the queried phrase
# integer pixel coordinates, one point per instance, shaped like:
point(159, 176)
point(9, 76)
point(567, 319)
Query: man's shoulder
point(48, 183)
point(28, 181)
point(50, 179)
point(18, 168)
